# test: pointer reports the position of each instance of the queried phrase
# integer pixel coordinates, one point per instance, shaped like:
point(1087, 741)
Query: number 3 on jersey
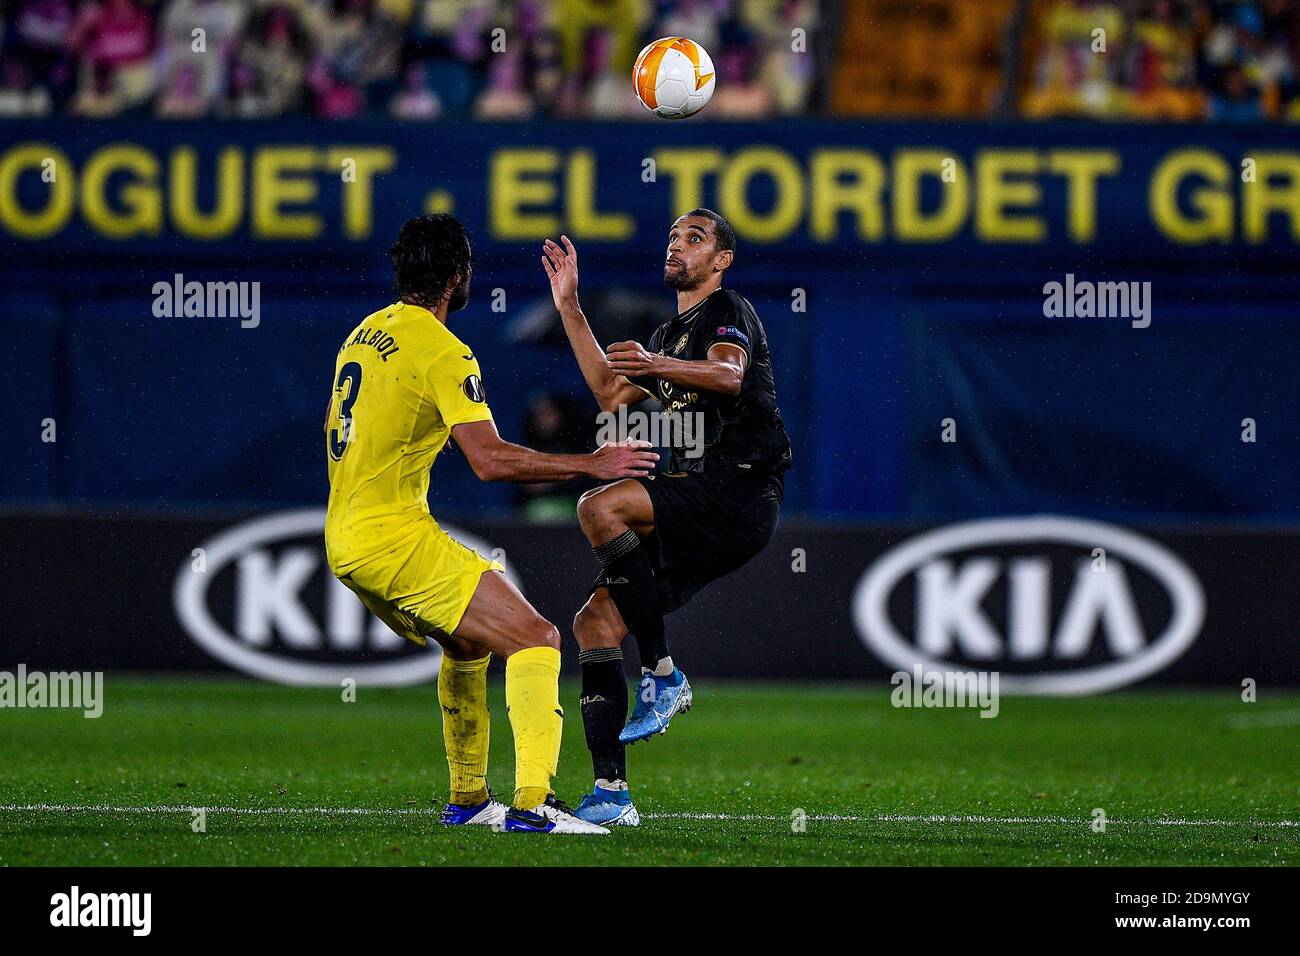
point(349, 386)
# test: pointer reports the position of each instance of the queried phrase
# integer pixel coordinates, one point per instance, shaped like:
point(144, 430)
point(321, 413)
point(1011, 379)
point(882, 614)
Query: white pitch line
point(720, 817)
point(238, 811)
point(1269, 718)
point(967, 818)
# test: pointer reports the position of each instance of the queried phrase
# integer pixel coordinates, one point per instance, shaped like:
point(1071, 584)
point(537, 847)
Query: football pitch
point(755, 774)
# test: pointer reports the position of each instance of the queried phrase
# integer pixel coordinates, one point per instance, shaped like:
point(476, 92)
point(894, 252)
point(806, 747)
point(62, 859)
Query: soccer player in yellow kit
point(403, 386)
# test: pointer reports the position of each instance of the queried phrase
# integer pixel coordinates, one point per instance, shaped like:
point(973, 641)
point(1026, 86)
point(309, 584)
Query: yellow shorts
point(420, 585)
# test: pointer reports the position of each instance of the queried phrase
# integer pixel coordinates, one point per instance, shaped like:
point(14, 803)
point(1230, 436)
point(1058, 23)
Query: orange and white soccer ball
point(673, 77)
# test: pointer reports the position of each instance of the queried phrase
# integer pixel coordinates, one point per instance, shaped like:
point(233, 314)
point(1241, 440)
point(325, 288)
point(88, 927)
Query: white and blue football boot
point(608, 807)
point(489, 813)
point(549, 817)
point(658, 700)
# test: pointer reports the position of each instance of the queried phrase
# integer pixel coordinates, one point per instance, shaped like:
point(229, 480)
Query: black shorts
point(707, 524)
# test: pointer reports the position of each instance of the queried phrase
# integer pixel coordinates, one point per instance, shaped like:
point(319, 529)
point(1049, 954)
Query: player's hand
point(623, 459)
point(631, 359)
point(561, 267)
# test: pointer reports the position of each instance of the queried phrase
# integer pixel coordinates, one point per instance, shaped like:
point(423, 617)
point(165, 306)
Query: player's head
point(433, 262)
point(701, 247)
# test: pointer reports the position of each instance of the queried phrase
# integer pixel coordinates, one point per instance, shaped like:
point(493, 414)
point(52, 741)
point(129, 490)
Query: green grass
point(754, 752)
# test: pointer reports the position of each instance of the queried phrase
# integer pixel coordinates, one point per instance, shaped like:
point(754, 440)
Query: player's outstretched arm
point(495, 459)
point(723, 371)
point(609, 388)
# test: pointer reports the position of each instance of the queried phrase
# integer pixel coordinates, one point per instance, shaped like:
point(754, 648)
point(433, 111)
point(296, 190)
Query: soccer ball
point(673, 77)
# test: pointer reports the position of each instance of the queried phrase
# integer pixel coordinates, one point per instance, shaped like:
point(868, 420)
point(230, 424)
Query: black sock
point(632, 585)
point(604, 710)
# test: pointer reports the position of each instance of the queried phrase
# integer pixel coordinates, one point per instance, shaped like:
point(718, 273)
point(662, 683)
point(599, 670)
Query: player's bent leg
point(600, 630)
point(615, 518)
point(466, 727)
point(606, 512)
point(499, 618)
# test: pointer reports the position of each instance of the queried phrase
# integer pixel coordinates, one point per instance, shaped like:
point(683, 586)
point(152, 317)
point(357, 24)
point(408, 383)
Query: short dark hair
point(429, 252)
point(722, 230)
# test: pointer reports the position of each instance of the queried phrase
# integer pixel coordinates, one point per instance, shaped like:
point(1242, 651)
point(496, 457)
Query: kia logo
point(1057, 605)
point(260, 598)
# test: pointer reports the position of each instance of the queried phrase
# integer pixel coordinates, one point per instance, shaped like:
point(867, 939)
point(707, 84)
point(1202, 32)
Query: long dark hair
point(429, 252)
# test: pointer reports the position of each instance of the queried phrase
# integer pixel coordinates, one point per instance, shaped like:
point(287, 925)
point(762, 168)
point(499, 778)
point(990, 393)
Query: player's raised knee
point(595, 510)
point(588, 508)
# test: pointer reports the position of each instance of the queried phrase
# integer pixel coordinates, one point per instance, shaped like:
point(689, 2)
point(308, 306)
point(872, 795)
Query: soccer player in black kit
point(660, 539)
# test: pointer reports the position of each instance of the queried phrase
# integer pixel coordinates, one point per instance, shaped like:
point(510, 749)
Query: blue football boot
point(489, 813)
point(608, 808)
point(658, 700)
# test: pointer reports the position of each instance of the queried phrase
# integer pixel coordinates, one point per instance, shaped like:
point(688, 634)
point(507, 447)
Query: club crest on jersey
point(473, 389)
point(732, 331)
point(681, 344)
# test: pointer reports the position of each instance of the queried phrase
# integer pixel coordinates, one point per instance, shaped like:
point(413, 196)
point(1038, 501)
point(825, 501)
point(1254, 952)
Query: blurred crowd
point(1228, 60)
point(409, 59)
point(1221, 60)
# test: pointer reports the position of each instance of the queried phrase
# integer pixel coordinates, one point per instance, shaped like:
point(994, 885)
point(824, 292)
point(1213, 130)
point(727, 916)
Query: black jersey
point(746, 431)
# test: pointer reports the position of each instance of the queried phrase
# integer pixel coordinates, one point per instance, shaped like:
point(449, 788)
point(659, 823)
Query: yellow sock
point(462, 692)
point(533, 700)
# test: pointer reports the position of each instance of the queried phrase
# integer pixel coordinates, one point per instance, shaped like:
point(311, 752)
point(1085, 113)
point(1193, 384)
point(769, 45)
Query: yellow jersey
point(402, 380)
